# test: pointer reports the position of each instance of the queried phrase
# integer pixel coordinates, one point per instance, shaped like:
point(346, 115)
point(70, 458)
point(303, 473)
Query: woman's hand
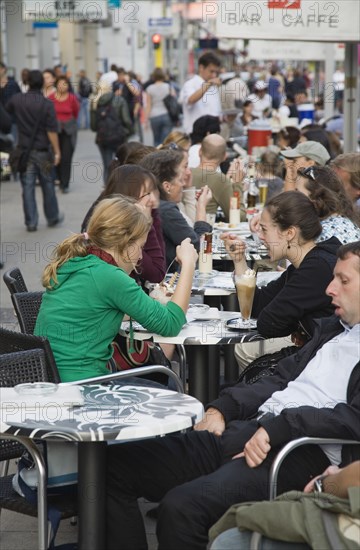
point(204, 196)
point(186, 253)
point(234, 246)
point(236, 171)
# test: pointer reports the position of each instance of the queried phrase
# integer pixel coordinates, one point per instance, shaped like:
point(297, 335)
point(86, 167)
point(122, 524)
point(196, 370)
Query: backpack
point(109, 129)
point(85, 87)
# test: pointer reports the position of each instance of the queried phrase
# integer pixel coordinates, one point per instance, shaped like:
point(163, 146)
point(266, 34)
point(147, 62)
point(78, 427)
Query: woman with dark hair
point(288, 137)
point(314, 132)
point(289, 228)
point(131, 152)
point(67, 110)
point(203, 126)
point(155, 111)
point(336, 212)
point(166, 165)
point(140, 184)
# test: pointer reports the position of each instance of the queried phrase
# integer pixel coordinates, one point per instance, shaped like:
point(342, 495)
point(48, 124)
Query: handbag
point(69, 127)
point(173, 108)
point(19, 157)
point(266, 365)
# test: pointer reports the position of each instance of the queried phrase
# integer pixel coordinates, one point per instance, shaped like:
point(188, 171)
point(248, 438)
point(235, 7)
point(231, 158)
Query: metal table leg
point(204, 371)
point(92, 495)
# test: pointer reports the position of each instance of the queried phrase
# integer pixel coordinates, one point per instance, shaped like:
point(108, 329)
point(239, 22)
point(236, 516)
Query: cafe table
point(116, 413)
point(202, 336)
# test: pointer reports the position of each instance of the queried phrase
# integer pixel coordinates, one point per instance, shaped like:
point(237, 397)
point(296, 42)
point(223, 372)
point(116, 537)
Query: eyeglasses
point(308, 173)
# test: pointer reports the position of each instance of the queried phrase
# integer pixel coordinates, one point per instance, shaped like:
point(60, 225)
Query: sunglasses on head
point(308, 173)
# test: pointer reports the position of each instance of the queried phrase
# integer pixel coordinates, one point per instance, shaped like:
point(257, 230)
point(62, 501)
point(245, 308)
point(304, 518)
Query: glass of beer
point(245, 288)
point(263, 189)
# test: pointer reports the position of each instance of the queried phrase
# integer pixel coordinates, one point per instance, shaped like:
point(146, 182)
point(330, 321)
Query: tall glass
point(263, 189)
point(245, 288)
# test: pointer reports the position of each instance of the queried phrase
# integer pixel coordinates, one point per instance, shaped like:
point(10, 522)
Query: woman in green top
point(89, 290)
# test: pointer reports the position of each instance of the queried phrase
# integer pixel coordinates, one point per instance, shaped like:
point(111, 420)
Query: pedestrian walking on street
point(111, 121)
point(31, 110)
point(67, 110)
point(85, 89)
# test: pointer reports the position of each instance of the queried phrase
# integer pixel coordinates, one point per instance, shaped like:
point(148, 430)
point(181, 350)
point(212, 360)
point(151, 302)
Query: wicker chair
point(27, 305)
point(11, 342)
point(15, 368)
point(14, 280)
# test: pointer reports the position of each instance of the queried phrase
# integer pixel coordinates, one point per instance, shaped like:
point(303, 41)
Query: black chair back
point(14, 280)
point(27, 305)
point(12, 342)
point(18, 368)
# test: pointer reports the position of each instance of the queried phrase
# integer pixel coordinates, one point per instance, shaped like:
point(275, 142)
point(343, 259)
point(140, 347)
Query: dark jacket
point(298, 296)
point(176, 229)
point(27, 109)
point(121, 108)
point(242, 401)
point(152, 267)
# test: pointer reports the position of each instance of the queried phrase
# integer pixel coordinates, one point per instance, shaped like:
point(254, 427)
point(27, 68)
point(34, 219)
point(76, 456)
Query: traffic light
point(156, 40)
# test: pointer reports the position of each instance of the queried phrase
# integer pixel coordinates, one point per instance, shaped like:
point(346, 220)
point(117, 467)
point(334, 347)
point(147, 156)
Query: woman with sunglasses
point(337, 215)
point(182, 140)
point(169, 168)
point(140, 184)
point(289, 228)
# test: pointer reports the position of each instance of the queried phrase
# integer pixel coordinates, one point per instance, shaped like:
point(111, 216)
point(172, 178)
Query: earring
point(288, 246)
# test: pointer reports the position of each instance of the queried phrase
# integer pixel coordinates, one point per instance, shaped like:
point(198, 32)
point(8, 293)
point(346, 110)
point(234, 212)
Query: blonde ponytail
point(73, 246)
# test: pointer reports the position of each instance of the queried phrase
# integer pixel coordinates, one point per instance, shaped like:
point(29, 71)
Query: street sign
point(161, 25)
point(294, 50)
point(68, 10)
point(113, 4)
point(160, 22)
point(323, 20)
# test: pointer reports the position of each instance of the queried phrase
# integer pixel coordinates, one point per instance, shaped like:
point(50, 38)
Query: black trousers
point(196, 481)
point(67, 152)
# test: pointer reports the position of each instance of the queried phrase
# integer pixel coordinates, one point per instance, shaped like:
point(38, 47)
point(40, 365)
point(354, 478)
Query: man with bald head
point(212, 153)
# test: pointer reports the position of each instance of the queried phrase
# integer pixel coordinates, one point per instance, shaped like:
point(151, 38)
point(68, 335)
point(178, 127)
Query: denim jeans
point(39, 165)
point(107, 154)
point(161, 126)
point(84, 114)
point(233, 539)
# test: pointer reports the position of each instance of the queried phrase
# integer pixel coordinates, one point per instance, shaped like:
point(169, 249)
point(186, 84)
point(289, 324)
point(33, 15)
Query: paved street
point(31, 252)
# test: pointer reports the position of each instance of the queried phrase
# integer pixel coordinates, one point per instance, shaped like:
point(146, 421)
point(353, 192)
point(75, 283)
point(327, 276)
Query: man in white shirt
point(200, 95)
point(261, 99)
point(226, 460)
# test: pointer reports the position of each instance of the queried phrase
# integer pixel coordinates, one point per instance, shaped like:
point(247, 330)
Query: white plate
point(242, 227)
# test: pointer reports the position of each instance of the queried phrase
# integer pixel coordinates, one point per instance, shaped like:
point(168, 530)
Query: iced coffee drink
point(245, 288)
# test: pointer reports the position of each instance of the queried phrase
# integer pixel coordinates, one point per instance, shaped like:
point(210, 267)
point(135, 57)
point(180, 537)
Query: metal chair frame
point(289, 447)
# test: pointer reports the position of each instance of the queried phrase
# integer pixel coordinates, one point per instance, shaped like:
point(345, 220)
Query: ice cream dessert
point(163, 292)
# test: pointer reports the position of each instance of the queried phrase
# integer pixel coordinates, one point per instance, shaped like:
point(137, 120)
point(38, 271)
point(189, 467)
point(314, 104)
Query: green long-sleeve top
point(82, 314)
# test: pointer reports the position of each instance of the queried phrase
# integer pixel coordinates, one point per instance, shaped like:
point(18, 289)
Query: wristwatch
point(318, 484)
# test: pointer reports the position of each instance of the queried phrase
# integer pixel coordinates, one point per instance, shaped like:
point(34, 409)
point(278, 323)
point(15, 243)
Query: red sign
point(284, 4)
